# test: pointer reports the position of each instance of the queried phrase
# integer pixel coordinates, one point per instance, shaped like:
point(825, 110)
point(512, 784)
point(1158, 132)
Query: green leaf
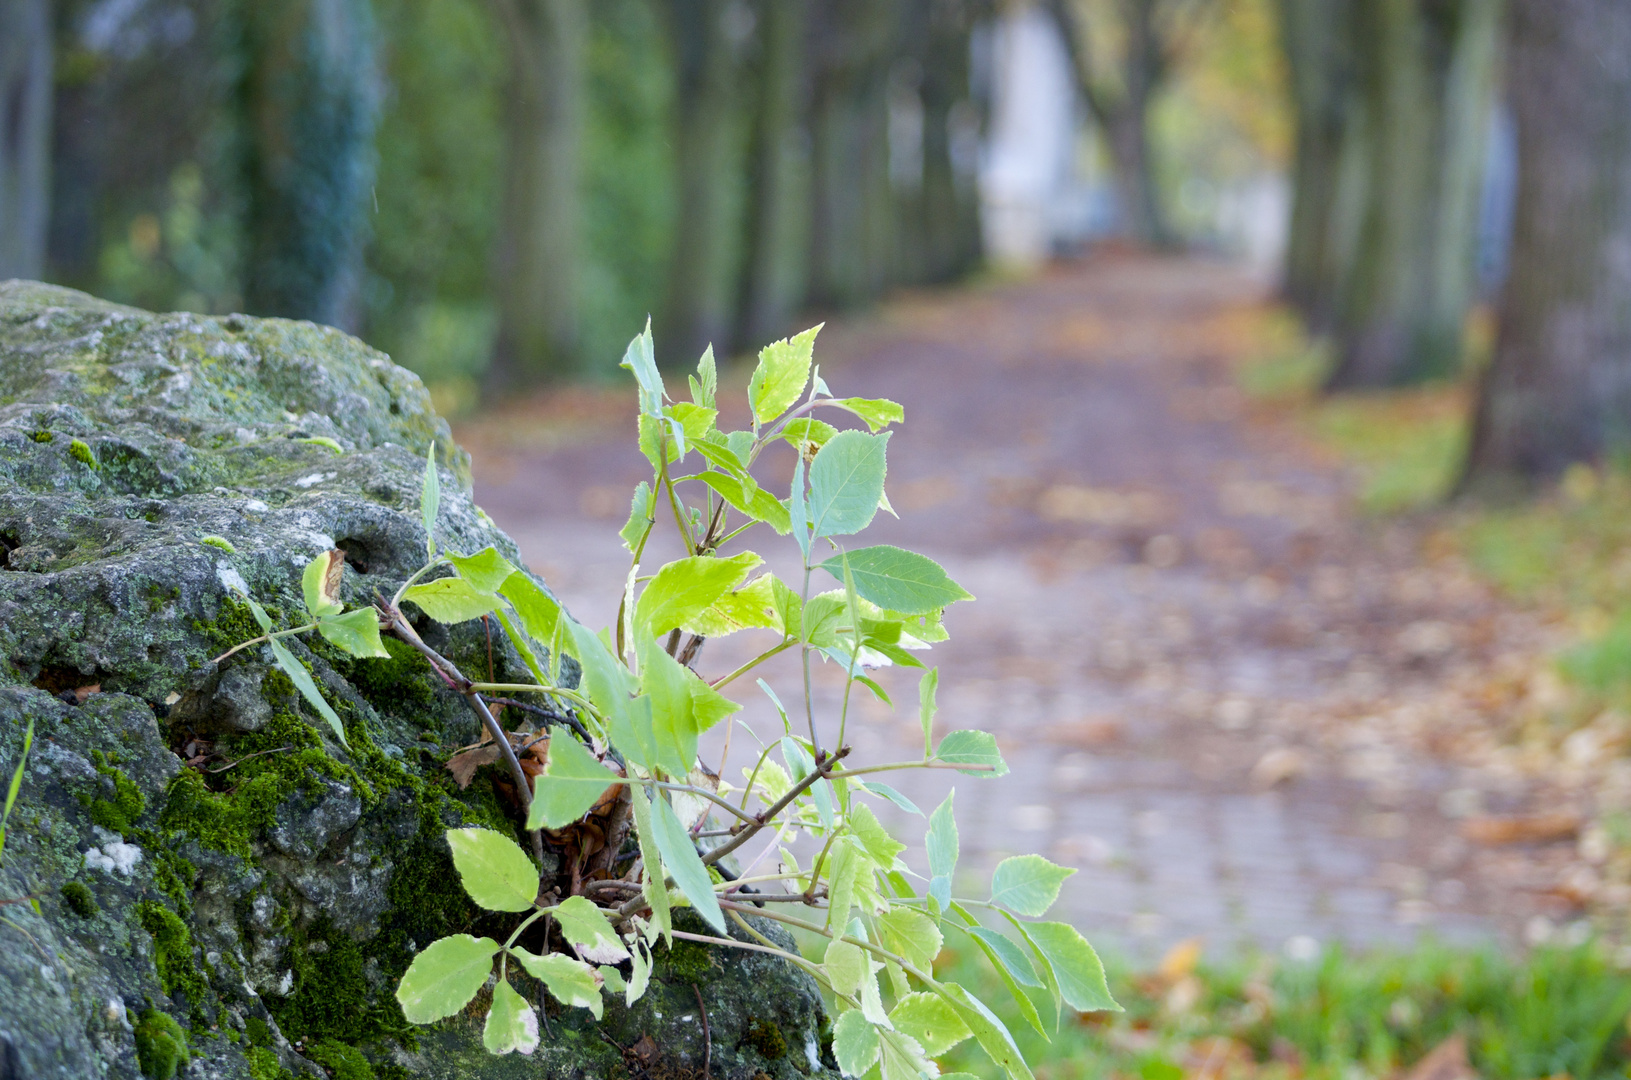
point(511, 1023)
point(656, 892)
point(1027, 884)
point(486, 570)
point(887, 792)
point(1039, 964)
point(642, 510)
point(571, 982)
point(930, 1020)
point(607, 682)
point(302, 680)
point(899, 580)
point(1075, 965)
point(877, 412)
point(845, 965)
point(640, 975)
point(941, 840)
point(695, 420)
point(854, 1043)
point(684, 865)
point(972, 747)
point(807, 434)
point(321, 584)
point(846, 482)
point(926, 707)
point(640, 358)
point(540, 613)
point(261, 618)
point(430, 500)
point(686, 588)
point(798, 511)
point(912, 934)
point(874, 839)
point(582, 923)
point(357, 632)
point(843, 866)
point(757, 503)
point(571, 783)
point(450, 600)
point(1027, 1007)
point(1000, 948)
point(496, 873)
point(666, 685)
point(444, 977)
point(705, 384)
point(989, 1032)
point(323, 441)
point(755, 605)
point(782, 374)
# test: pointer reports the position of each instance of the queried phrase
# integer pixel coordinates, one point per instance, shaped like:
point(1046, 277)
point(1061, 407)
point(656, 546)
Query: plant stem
point(415, 576)
point(751, 664)
point(764, 817)
point(262, 639)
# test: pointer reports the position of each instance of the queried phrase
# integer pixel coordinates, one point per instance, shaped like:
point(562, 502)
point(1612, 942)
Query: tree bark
point(536, 261)
point(1426, 79)
point(777, 217)
point(310, 97)
point(26, 49)
point(949, 202)
point(699, 308)
point(1559, 387)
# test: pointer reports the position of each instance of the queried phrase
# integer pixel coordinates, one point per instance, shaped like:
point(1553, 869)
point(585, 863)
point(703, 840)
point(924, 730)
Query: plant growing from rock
point(628, 751)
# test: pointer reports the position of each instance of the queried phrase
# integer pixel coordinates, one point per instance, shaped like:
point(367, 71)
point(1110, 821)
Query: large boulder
point(198, 878)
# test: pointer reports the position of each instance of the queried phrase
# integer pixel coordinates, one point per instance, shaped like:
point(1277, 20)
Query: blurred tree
point(1559, 387)
point(702, 287)
point(310, 92)
point(1318, 49)
point(539, 249)
point(26, 49)
point(1425, 82)
point(1123, 52)
point(949, 227)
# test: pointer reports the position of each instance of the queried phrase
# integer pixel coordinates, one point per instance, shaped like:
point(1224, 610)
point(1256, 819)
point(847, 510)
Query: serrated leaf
point(887, 792)
point(486, 570)
point(1027, 1007)
point(607, 683)
point(511, 1023)
point(972, 747)
point(930, 1020)
point(569, 981)
point(842, 867)
point(656, 892)
point(912, 934)
point(695, 420)
point(752, 606)
point(877, 412)
point(640, 358)
point(990, 1032)
point(845, 965)
point(782, 374)
point(684, 864)
point(494, 870)
point(1004, 950)
point(444, 977)
point(874, 839)
point(899, 580)
point(572, 782)
point(586, 926)
point(1027, 884)
point(705, 386)
point(430, 500)
point(450, 600)
point(320, 584)
point(640, 975)
point(854, 1043)
point(756, 503)
point(941, 839)
point(674, 728)
point(261, 618)
point(1075, 965)
point(846, 483)
point(807, 434)
point(926, 708)
point(302, 681)
point(641, 512)
point(357, 632)
point(539, 612)
point(1039, 964)
point(798, 511)
point(686, 588)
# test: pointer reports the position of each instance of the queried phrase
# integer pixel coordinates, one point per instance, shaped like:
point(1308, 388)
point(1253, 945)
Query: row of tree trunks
point(1559, 387)
point(25, 135)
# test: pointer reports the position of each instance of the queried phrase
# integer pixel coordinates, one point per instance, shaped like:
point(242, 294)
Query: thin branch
point(707, 1039)
point(548, 714)
point(764, 817)
point(242, 645)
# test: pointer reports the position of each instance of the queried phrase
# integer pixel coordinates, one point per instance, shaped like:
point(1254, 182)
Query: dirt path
point(1194, 654)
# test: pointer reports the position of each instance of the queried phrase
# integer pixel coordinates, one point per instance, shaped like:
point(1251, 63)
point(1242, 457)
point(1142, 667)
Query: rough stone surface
point(248, 876)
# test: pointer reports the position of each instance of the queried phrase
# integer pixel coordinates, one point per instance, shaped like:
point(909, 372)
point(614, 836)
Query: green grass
point(1340, 1017)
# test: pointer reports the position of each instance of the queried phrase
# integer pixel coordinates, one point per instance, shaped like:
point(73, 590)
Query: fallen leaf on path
point(1279, 765)
point(1522, 828)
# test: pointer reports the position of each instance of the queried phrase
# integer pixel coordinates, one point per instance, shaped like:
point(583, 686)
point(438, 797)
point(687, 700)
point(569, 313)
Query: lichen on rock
point(223, 889)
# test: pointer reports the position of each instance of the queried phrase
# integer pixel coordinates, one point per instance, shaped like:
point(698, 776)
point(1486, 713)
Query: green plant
point(631, 744)
point(161, 1046)
point(16, 784)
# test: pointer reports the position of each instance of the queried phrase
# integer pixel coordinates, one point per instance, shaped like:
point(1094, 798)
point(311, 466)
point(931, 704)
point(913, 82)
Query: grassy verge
point(1343, 1017)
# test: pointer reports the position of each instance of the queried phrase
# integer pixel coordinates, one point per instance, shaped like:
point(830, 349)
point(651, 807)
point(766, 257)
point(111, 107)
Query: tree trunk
point(1559, 388)
point(950, 201)
point(1426, 77)
point(537, 256)
point(310, 99)
point(1314, 39)
point(699, 308)
point(26, 49)
point(777, 217)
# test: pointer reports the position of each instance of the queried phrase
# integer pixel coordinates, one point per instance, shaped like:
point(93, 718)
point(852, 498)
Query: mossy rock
point(152, 468)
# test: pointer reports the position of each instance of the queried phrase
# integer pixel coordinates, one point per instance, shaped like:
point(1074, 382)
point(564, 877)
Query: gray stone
point(153, 468)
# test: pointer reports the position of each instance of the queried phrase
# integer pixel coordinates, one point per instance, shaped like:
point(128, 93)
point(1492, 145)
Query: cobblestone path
point(1181, 628)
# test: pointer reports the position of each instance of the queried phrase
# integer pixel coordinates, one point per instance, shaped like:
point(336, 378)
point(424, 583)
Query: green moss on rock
point(172, 952)
point(79, 900)
point(161, 1046)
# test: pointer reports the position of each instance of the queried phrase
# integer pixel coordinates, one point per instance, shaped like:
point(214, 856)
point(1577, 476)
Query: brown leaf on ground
point(1279, 765)
point(1522, 828)
point(1446, 1061)
point(1217, 1057)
